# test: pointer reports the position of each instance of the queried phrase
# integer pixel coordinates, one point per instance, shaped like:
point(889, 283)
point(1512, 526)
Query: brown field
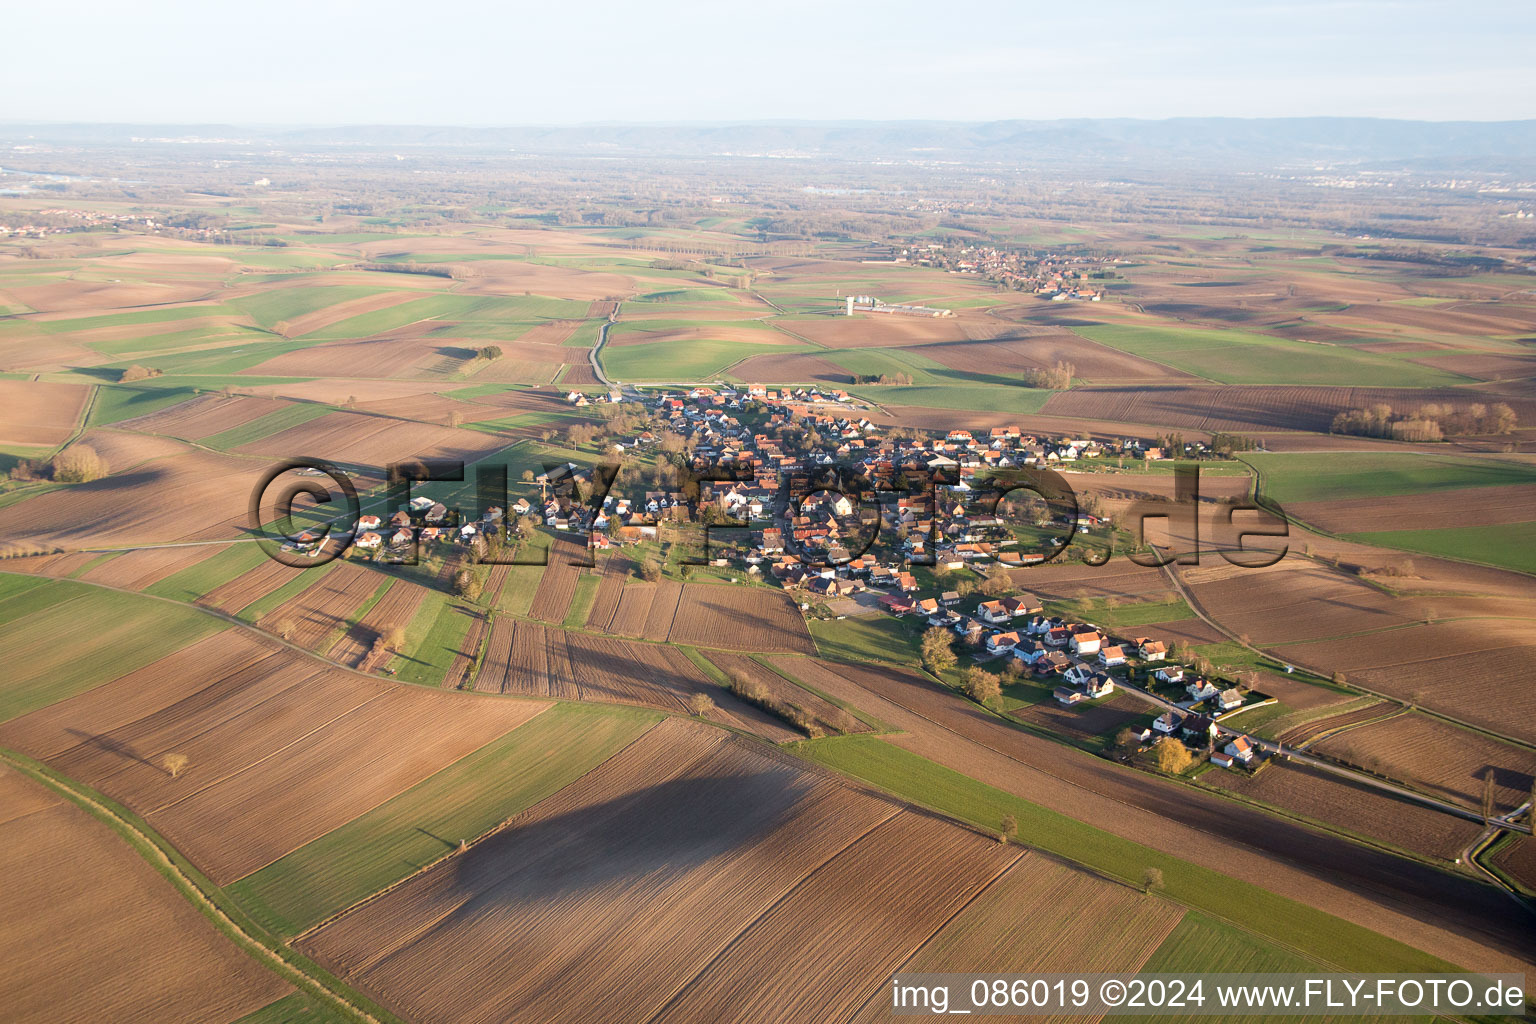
point(689, 870)
point(408, 351)
point(605, 603)
point(634, 608)
point(135, 570)
point(250, 586)
point(50, 565)
point(321, 318)
point(1324, 797)
point(281, 749)
point(1420, 904)
point(1250, 407)
point(1101, 718)
point(1438, 758)
point(1075, 923)
point(39, 414)
point(395, 608)
point(1519, 860)
point(196, 495)
point(1191, 631)
point(1120, 578)
point(81, 296)
point(324, 607)
point(752, 619)
point(557, 584)
point(1472, 506)
point(826, 714)
point(527, 658)
point(510, 277)
point(1301, 735)
point(1461, 669)
point(373, 441)
point(579, 375)
point(1297, 600)
point(205, 415)
point(93, 933)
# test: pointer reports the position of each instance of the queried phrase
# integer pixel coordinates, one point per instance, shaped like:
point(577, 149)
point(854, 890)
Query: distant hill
point(1215, 143)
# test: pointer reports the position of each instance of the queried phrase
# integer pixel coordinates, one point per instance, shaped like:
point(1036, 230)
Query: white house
point(1239, 749)
point(1229, 699)
point(1170, 674)
point(1002, 642)
point(1109, 657)
point(1167, 723)
point(1085, 643)
point(369, 541)
point(1201, 689)
point(1151, 650)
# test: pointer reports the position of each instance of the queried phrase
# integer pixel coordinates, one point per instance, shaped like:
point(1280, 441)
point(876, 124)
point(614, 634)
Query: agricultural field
point(1320, 797)
point(279, 749)
point(684, 818)
point(78, 906)
point(1439, 759)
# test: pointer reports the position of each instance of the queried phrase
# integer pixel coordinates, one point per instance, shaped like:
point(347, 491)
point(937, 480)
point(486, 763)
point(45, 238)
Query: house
point(1085, 643)
point(1029, 651)
point(368, 522)
point(928, 606)
point(1078, 674)
point(1024, 604)
point(1169, 674)
point(1151, 650)
point(992, 612)
point(1100, 685)
point(369, 541)
point(1221, 759)
point(1168, 723)
point(897, 604)
point(1198, 727)
point(1109, 657)
point(401, 537)
point(1066, 697)
point(1239, 749)
point(949, 598)
point(1229, 699)
point(1057, 637)
point(1001, 642)
point(1201, 689)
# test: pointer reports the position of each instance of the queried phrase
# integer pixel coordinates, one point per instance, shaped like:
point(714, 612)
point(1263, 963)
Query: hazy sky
point(471, 62)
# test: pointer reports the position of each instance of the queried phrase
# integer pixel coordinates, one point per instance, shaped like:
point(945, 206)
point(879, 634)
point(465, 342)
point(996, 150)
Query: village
point(941, 560)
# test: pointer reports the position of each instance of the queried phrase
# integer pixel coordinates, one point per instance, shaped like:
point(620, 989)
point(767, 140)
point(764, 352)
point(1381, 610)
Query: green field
point(581, 601)
point(1333, 476)
point(1129, 616)
point(64, 638)
point(256, 610)
point(866, 638)
point(148, 316)
point(1507, 545)
point(270, 308)
point(1200, 944)
point(118, 402)
point(196, 580)
point(685, 360)
point(462, 801)
point(298, 1008)
point(435, 634)
point(449, 307)
point(280, 419)
point(911, 777)
point(1239, 357)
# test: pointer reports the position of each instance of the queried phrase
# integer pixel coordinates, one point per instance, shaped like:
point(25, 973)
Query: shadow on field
point(645, 838)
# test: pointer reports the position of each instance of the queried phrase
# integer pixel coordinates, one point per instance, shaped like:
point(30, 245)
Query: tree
point(1151, 879)
point(489, 352)
point(1127, 742)
point(78, 464)
point(1010, 828)
point(937, 654)
point(394, 637)
point(466, 583)
point(175, 764)
point(283, 628)
point(650, 569)
point(1488, 807)
point(455, 418)
point(527, 476)
point(1171, 756)
point(981, 686)
point(700, 704)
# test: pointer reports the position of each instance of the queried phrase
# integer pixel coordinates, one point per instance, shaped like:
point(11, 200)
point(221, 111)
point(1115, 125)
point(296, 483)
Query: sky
point(579, 61)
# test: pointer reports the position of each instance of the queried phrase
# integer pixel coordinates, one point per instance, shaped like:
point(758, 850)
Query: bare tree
point(700, 704)
point(1009, 830)
point(1151, 879)
point(175, 764)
